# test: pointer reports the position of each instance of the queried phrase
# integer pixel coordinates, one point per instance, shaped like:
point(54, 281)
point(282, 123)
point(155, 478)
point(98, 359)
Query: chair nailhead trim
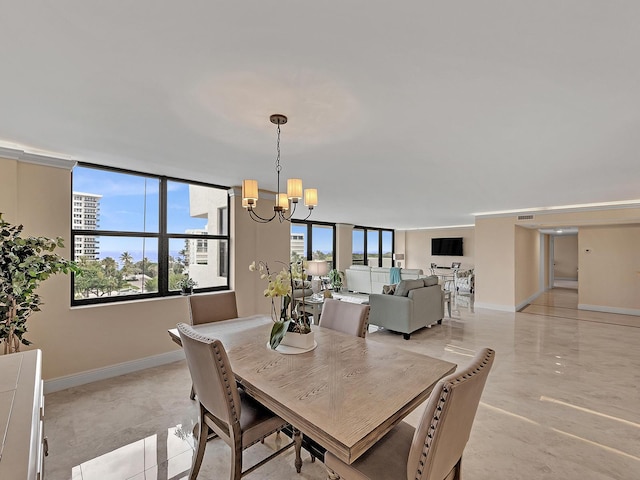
point(443, 399)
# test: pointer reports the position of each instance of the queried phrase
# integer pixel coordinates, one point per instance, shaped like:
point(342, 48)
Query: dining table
point(345, 394)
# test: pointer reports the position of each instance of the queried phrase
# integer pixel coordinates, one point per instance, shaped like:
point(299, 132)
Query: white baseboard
point(603, 308)
point(76, 379)
point(508, 308)
point(521, 305)
point(491, 306)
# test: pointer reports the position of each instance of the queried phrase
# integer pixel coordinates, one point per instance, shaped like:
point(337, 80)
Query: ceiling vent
point(525, 217)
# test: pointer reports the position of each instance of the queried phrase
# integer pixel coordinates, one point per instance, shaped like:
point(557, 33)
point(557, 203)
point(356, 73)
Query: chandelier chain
point(278, 166)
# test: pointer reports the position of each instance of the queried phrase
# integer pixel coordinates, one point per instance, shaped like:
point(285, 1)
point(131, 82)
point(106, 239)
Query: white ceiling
point(406, 114)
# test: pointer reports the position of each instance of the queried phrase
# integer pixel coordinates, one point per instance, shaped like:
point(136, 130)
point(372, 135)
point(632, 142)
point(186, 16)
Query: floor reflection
point(162, 456)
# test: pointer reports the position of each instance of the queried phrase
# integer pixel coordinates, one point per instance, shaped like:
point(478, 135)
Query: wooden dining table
point(345, 394)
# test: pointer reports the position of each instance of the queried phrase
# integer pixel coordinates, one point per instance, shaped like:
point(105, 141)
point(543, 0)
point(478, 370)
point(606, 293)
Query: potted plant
point(335, 277)
point(186, 285)
point(24, 263)
point(286, 319)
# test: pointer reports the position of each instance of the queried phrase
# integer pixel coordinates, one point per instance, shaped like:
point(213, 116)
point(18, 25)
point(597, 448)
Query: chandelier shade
point(294, 189)
point(250, 192)
point(284, 201)
point(311, 197)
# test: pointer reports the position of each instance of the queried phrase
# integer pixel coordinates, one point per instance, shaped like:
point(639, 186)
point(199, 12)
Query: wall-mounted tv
point(447, 246)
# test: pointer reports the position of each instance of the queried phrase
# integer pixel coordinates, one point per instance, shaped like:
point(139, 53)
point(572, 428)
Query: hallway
point(563, 303)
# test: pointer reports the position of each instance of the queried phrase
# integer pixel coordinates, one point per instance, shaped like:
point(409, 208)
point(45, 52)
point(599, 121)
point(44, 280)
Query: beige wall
point(252, 241)
point(609, 263)
point(400, 242)
point(495, 263)
point(565, 257)
point(8, 190)
point(344, 246)
point(527, 265)
point(417, 247)
point(495, 250)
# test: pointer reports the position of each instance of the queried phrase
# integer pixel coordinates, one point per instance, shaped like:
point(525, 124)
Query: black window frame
point(366, 230)
point(309, 236)
point(162, 236)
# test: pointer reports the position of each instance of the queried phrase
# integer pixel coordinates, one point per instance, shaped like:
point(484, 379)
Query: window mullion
point(163, 240)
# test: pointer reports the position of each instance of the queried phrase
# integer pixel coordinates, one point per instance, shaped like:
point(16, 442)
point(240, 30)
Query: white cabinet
point(23, 445)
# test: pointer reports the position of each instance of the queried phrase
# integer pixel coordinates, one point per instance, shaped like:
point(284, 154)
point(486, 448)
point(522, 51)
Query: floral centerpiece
point(285, 317)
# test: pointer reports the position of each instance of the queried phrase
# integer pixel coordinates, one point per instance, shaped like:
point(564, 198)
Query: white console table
point(22, 442)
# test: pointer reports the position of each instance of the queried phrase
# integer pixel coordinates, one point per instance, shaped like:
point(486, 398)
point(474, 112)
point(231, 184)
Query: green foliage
point(103, 277)
point(277, 333)
point(186, 283)
point(24, 264)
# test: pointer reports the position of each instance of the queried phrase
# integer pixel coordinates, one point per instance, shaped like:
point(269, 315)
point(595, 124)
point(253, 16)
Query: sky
point(131, 203)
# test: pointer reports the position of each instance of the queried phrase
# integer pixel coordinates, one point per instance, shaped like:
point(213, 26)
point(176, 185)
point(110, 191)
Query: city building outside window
point(136, 235)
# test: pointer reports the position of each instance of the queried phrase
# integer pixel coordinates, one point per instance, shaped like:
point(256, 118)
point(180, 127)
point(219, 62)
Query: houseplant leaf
point(277, 333)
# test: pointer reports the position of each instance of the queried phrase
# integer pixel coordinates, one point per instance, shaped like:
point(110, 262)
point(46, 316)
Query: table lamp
point(397, 257)
point(317, 268)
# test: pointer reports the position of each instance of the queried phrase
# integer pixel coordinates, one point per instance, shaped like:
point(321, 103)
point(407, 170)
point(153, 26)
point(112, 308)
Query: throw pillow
point(388, 289)
point(403, 288)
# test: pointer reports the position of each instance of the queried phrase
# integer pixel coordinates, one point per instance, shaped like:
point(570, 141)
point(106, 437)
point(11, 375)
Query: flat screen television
point(447, 246)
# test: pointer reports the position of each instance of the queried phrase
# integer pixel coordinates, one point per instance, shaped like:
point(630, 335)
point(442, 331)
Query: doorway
point(564, 259)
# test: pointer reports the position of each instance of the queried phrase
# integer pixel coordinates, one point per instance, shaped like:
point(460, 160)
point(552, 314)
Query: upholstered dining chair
point(225, 409)
point(346, 317)
point(433, 451)
point(212, 307)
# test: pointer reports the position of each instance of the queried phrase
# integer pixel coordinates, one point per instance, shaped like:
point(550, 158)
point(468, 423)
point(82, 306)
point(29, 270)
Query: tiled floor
point(562, 401)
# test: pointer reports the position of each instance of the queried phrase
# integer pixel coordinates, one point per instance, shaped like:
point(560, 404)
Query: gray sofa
point(412, 306)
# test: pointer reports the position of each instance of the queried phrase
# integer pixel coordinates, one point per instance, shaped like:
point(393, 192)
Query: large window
point(372, 246)
point(136, 235)
point(313, 241)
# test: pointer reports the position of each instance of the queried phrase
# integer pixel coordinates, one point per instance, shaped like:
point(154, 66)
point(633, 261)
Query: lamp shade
point(249, 192)
point(282, 201)
point(398, 256)
point(317, 268)
point(294, 189)
point(311, 197)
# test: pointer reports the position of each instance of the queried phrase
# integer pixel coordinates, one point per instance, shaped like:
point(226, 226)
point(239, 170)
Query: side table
point(314, 307)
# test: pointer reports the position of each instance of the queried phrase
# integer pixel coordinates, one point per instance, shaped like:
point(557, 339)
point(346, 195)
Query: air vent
point(525, 217)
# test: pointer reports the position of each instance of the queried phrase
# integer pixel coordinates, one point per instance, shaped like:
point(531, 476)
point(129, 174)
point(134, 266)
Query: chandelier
point(284, 201)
